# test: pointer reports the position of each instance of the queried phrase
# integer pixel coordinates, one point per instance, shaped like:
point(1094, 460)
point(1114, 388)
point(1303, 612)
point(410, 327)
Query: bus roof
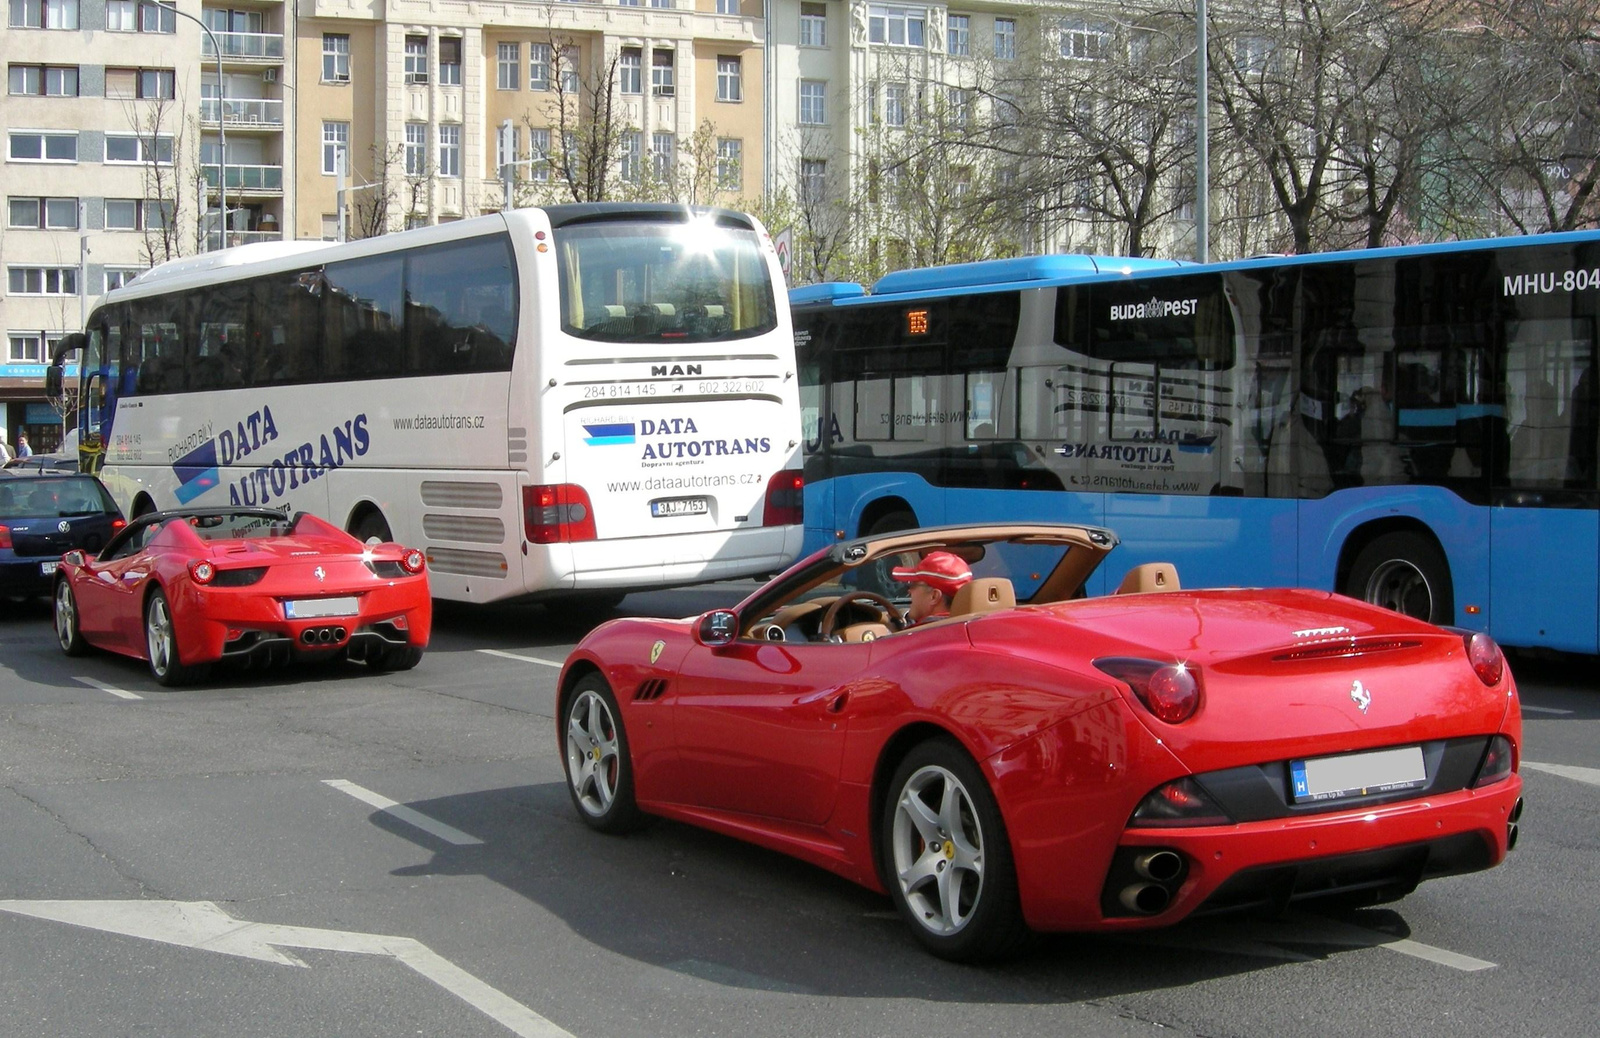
point(232, 257)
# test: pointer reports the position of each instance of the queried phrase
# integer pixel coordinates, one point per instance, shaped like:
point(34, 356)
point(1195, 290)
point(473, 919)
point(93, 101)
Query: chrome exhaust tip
point(1161, 866)
point(1144, 898)
point(1511, 837)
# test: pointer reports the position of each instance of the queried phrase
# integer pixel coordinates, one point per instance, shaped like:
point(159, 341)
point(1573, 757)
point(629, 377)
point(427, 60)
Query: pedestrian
point(23, 450)
point(934, 582)
point(5, 448)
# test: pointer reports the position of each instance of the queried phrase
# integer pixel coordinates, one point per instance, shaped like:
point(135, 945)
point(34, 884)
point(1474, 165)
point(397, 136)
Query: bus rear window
point(636, 281)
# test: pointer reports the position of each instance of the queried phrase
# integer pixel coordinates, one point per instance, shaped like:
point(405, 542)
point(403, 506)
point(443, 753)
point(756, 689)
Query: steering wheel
point(891, 615)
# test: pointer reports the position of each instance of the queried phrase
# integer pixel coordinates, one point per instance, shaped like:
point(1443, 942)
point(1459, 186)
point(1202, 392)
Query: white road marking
point(102, 686)
point(1544, 710)
point(447, 833)
point(519, 656)
point(202, 925)
point(1569, 771)
point(1455, 960)
point(1280, 938)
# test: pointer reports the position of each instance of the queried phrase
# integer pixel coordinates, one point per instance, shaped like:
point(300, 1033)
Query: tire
point(68, 633)
point(397, 657)
point(161, 645)
point(599, 768)
point(1407, 573)
point(372, 524)
point(947, 857)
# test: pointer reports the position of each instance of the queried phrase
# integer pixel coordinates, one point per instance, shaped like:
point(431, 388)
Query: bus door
point(1544, 522)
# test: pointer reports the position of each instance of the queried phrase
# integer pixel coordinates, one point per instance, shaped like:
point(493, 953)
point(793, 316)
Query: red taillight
point(117, 524)
point(1180, 802)
point(554, 514)
point(5, 537)
point(785, 499)
point(1496, 764)
point(413, 561)
point(1488, 662)
point(1170, 691)
point(400, 623)
point(202, 572)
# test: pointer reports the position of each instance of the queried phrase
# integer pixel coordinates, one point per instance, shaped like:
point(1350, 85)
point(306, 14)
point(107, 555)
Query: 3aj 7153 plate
point(670, 506)
point(1358, 774)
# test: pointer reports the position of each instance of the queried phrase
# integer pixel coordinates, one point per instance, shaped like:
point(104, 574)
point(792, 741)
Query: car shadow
point(700, 904)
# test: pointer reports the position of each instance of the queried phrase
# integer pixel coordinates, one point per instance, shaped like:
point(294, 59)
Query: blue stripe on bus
point(196, 484)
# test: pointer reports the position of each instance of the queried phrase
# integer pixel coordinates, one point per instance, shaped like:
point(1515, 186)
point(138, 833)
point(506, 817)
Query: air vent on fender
point(1345, 647)
point(650, 690)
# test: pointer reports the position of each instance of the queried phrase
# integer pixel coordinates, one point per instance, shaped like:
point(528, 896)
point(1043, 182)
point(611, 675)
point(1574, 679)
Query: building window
point(504, 154)
point(960, 106)
point(730, 81)
point(134, 214)
point(896, 26)
point(813, 181)
point(44, 14)
point(730, 163)
point(330, 226)
point(894, 104)
point(416, 220)
point(43, 147)
point(1005, 38)
point(449, 151)
point(416, 59)
point(1253, 53)
point(1083, 40)
point(44, 80)
point(157, 17)
point(157, 83)
point(42, 281)
point(663, 76)
point(120, 16)
point(538, 66)
point(1007, 114)
point(335, 143)
point(416, 149)
point(335, 57)
point(665, 4)
point(135, 149)
point(539, 152)
point(727, 6)
point(630, 71)
point(663, 154)
point(450, 60)
point(813, 102)
point(958, 35)
point(117, 277)
point(26, 348)
point(508, 59)
point(632, 155)
point(571, 67)
point(813, 25)
point(630, 3)
point(43, 214)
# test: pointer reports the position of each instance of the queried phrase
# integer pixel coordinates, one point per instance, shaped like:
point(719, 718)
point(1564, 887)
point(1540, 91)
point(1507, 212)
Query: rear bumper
point(638, 562)
point(26, 575)
point(237, 623)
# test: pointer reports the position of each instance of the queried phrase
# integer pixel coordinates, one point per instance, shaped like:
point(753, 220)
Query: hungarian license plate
point(667, 507)
point(48, 568)
point(1358, 774)
point(312, 608)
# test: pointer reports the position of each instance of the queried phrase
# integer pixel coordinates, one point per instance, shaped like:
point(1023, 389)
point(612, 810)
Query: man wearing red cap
point(934, 582)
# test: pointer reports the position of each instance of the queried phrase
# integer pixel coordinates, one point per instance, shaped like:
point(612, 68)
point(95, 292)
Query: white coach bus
point(585, 398)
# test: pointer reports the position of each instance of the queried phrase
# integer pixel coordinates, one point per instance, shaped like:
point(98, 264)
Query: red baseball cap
point(940, 570)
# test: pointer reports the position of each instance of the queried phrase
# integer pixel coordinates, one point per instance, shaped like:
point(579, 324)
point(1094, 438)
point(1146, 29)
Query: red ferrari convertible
point(1034, 759)
point(186, 589)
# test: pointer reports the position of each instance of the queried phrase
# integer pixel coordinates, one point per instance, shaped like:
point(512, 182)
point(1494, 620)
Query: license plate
point(48, 568)
point(311, 608)
point(666, 507)
point(1358, 774)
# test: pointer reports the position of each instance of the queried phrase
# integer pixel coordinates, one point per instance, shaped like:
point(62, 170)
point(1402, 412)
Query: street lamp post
point(222, 117)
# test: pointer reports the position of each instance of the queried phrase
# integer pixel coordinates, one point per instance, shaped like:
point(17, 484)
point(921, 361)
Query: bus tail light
point(785, 499)
point(557, 513)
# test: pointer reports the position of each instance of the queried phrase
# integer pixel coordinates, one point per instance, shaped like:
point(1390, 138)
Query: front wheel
point(599, 769)
point(1407, 573)
point(947, 858)
point(161, 645)
point(68, 633)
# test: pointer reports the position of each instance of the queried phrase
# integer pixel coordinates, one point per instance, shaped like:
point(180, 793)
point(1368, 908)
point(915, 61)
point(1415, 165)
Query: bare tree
point(378, 202)
point(175, 184)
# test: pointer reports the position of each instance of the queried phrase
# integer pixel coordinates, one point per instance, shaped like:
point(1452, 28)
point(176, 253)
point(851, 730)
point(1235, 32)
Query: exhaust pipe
point(308, 636)
point(1144, 898)
point(1160, 866)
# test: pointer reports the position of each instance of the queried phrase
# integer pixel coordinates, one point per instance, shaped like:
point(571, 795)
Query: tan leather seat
point(983, 595)
point(1152, 576)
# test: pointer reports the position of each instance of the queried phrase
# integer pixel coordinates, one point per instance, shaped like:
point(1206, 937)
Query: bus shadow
point(703, 905)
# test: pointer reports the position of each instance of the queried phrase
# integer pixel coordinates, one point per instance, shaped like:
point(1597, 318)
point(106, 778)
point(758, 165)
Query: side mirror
point(53, 382)
point(73, 558)
point(717, 628)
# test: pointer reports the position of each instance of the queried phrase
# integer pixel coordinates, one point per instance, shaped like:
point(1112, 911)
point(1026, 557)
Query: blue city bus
point(1413, 426)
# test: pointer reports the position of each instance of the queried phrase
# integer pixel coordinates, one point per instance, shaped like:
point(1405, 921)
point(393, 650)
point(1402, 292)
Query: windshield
point(636, 281)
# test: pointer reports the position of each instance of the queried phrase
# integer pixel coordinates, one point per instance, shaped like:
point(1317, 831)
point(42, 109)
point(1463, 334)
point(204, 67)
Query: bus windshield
point(629, 281)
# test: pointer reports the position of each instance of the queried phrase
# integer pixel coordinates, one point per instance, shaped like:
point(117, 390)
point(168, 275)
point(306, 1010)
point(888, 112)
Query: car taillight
point(1496, 763)
point(202, 571)
point(413, 561)
point(785, 499)
point(1488, 662)
point(558, 513)
point(5, 537)
point(1170, 691)
point(243, 576)
point(118, 523)
point(1180, 802)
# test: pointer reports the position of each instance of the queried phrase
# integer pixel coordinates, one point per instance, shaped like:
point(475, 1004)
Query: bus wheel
point(1404, 572)
point(370, 525)
point(875, 577)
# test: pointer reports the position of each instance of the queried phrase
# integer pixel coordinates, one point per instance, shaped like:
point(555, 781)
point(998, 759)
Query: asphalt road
point(329, 852)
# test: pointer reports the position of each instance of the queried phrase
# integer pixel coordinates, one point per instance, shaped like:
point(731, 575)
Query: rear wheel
point(599, 769)
point(1407, 573)
point(396, 657)
point(66, 616)
point(947, 857)
point(372, 524)
point(161, 645)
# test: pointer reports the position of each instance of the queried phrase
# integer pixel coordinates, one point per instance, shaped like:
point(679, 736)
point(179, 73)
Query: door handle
point(837, 703)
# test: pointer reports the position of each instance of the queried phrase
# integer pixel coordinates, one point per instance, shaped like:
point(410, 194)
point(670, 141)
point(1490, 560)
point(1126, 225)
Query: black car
point(44, 515)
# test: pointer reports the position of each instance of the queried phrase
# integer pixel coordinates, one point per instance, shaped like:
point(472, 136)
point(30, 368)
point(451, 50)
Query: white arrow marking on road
point(1570, 771)
point(447, 833)
point(518, 656)
point(202, 925)
point(102, 686)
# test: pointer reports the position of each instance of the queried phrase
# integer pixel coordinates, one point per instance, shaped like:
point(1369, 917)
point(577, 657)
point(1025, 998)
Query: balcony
point(214, 238)
point(245, 46)
point(246, 179)
point(244, 112)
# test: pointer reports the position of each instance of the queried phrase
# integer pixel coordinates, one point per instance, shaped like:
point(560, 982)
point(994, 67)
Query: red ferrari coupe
point(1030, 759)
point(186, 589)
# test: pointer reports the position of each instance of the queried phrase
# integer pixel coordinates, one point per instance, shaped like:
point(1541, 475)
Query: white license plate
point(1358, 774)
point(670, 506)
point(48, 568)
point(311, 608)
